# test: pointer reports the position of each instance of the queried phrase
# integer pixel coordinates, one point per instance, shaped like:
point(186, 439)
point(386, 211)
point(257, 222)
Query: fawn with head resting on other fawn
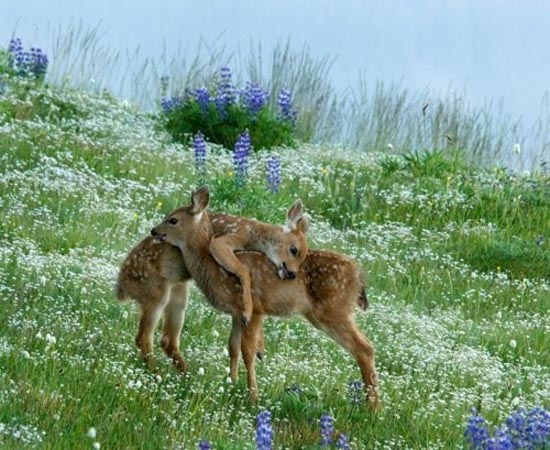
point(155, 275)
point(325, 291)
point(285, 247)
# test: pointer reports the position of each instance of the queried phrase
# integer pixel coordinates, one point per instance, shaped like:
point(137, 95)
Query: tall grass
point(382, 116)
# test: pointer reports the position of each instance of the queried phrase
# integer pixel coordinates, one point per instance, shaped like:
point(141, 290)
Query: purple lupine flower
point(254, 98)
point(225, 94)
point(343, 442)
point(199, 144)
point(529, 429)
point(476, 431)
point(169, 104)
point(264, 432)
point(203, 98)
point(15, 46)
point(204, 445)
point(500, 441)
point(240, 157)
point(286, 112)
point(273, 174)
point(31, 63)
point(326, 427)
point(522, 430)
point(38, 62)
point(356, 391)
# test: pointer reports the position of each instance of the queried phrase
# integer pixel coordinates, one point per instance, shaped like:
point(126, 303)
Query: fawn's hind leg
point(150, 311)
point(174, 315)
point(223, 248)
point(346, 333)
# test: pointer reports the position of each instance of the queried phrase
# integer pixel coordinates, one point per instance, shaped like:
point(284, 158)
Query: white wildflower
point(50, 339)
point(92, 432)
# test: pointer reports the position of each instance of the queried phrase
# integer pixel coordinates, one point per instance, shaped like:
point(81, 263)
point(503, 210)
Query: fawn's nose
point(291, 275)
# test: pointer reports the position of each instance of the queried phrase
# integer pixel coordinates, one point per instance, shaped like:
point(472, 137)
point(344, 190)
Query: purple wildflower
point(522, 430)
point(169, 104)
point(273, 173)
point(32, 63)
point(226, 91)
point(254, 98)
point(286, 112)
point(240, 157)
point(15, 46)
point(264, 432)
point(342, 443)
point(326, 427)
point(199, 144)
point(476, 431)
point(204, 445)
point(529, 429)
point(203, 98)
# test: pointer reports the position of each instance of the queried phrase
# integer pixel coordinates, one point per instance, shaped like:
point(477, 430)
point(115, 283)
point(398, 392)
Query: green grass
point(456, 260)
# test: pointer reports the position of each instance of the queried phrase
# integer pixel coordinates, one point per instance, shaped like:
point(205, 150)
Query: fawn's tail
point(363, 301)
point(121, 293)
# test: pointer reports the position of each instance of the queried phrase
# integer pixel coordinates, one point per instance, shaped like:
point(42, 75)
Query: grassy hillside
point(458, 264)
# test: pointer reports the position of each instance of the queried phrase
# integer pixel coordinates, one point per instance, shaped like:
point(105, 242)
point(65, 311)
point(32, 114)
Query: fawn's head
point(186, 223)
point(289, 247)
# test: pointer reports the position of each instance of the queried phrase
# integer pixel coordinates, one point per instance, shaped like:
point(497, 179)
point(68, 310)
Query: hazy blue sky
point(496, 48)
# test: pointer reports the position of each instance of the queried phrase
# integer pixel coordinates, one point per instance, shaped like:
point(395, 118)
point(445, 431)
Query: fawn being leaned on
point(286, 247)
point(325, 291)
point(155, 275)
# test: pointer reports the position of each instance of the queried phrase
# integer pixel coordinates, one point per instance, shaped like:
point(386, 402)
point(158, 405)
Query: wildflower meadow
point(456, 260)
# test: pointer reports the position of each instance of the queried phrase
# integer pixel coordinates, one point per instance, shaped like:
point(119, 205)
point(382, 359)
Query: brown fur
point(327, 288)
point(286, 247)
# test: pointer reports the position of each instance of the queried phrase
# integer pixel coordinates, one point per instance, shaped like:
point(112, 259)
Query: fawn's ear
point(303, 223)
point(199, 199)
point(294, 214)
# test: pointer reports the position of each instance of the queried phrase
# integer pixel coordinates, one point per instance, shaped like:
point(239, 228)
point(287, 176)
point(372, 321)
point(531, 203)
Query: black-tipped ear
point(294, 214)
point(199, 199)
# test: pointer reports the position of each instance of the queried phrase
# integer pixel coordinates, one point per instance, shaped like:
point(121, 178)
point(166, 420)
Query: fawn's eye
point(172, 221)
point(293, 250)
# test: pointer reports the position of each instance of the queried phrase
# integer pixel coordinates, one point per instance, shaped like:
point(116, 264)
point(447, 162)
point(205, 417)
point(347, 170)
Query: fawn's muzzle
point(158, 236)
point(285, 273)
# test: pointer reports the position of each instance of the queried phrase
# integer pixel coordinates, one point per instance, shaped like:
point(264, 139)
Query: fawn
point(285, 247)
point(155, 275)
point(325, 291)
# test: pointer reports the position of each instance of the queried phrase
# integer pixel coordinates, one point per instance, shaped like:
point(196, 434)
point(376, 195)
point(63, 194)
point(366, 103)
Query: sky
point(494, 49)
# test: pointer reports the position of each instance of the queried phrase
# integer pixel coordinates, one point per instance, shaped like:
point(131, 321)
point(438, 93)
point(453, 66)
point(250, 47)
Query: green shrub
point(222, 116)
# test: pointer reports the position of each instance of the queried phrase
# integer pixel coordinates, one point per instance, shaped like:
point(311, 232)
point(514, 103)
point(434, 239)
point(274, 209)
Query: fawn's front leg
point(235, 339)
point(223, 248)
point(249, 346)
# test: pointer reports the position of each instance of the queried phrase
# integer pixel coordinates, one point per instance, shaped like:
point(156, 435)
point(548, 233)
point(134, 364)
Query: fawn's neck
point(199, 262)
point(259, 237)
